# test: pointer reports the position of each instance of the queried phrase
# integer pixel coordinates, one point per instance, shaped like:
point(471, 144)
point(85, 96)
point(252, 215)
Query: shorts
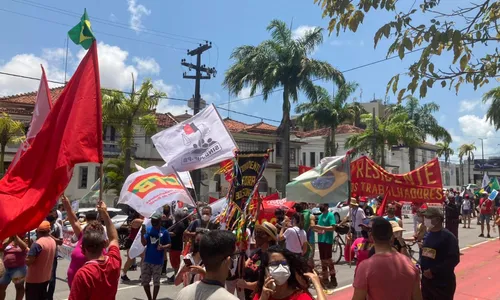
point(150, 271)
point(466, 212)
point(325, 251)
point(486, 218)
point(128, 243)
point(175, 258)
point(16, 275)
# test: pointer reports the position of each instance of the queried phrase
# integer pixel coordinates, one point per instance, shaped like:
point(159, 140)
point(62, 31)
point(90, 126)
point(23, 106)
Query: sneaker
point(333, 281)
point(125, 278)
point(171, 279)
point(488, 236)
point(481, 235)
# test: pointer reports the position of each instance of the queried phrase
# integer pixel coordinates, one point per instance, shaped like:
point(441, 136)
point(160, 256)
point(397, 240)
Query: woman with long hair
point(294, 234)
point(285, 276)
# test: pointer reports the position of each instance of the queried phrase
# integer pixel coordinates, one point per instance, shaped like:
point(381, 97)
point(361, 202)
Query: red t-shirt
point(98, 280)
point(378, 274)
point(299, 295)
point(486, 209)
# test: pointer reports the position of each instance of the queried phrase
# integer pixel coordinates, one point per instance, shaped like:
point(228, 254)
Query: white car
point(339, 210)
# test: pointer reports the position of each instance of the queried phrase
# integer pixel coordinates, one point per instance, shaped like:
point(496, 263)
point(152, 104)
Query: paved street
point(345, 273)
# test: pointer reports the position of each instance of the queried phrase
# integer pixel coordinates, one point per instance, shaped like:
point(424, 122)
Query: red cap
point(466, 196)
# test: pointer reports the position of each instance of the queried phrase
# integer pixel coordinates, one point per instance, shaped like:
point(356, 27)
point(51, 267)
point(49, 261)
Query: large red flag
point(71, 134)
point(42, 108)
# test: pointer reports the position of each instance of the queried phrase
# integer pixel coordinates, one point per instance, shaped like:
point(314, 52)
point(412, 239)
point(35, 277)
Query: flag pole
point(101, 183)
point(66, 58)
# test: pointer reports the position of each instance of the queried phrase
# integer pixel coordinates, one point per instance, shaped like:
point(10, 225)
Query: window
point(304, 159)
point(278, 149)
point(424, 155)
point(292, 155)
point(97, 173)
point(312, 159)
point(321, 155)
point(112, 134)
point(83, 176)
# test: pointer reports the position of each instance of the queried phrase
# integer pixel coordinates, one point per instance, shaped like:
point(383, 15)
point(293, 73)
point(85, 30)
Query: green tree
point(462, 33)
point(468, 151)
point(281, 62)
point(444, 149)
point(329, 112)
point(422, 117)
point(11, 132)
point(394, 128)
point(493, 113)
point(115, 174)
point(128, 113)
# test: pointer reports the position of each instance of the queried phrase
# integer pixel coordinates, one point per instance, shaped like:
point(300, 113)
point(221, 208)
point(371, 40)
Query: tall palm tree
point(493, 113)
point(392, 129)
point(444, 149)
point(328, 112)
point(11, 132)
point(126, 113)
point(422, 117)
point(467, 150)
point(281, 63)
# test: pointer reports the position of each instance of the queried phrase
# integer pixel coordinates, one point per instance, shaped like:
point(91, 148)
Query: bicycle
point(339, 243)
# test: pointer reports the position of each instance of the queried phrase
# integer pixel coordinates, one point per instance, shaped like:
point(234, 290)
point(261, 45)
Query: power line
point(129, 93)
point(173, 36)
point(99, 32)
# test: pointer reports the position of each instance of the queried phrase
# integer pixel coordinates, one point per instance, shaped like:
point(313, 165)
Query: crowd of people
point(276, 262)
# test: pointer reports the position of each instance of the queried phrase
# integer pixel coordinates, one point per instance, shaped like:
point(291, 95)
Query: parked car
point(339, 210)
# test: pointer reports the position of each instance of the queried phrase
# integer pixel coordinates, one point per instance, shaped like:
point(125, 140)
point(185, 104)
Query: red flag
point(42, 108)
point(71, 134)
point(383, 205)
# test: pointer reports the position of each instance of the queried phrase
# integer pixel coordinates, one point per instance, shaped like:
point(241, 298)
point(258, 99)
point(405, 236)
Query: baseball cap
point(44, 227)
point(433, 212)
point(156, 216)
point(466, 196)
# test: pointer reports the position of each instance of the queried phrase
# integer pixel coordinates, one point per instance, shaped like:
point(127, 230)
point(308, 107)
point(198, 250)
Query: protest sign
point(250, 167)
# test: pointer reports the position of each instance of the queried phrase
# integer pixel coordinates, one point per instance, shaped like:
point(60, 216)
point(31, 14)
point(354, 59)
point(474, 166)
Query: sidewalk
point(477, 274)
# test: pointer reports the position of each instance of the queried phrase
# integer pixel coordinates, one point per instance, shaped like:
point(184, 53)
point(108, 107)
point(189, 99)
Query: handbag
point(309, 247)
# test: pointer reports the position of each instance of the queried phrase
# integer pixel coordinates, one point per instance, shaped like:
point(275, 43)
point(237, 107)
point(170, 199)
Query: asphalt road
point(133, 290)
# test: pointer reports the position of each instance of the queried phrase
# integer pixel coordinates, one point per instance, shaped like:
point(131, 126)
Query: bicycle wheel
point(336, 251)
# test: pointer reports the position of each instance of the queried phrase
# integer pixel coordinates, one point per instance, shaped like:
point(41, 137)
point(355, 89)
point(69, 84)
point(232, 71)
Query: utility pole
point(374, 138)
point(199, 68)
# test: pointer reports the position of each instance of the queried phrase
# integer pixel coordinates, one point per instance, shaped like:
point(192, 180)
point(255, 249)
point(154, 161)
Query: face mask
point(428, 223)
point(280, 274)
point(205, 218)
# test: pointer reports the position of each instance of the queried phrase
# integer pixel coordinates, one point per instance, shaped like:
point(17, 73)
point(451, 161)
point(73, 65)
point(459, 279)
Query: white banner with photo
point(198, 142)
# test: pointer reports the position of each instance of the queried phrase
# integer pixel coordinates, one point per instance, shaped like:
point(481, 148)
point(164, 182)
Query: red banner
point(303, 169)
point(421, 185)
point(269, 206)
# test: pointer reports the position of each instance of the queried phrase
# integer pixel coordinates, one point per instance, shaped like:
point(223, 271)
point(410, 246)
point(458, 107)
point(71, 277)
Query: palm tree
point(467, 150)
point(422, 118)
point(126, 113)
point(445, 150)
point(394, 128)
point(281, 62)
point(493, 113)
point(11, 132)
point(328, 112)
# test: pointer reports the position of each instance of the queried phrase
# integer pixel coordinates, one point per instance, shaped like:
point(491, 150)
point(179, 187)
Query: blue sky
point(137, 46)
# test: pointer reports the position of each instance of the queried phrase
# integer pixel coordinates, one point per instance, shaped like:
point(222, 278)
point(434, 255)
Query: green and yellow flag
point(82, 34)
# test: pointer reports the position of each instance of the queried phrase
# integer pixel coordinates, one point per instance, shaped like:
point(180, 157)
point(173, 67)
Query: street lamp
point(482, 152)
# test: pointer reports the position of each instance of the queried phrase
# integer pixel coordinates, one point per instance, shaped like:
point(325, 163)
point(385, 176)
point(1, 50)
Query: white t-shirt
point(295, 238)
point(466, 204)
point(358, 215)
point(203, 291)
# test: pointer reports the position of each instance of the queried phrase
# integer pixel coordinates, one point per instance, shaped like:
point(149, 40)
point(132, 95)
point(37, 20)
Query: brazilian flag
point(82, 34)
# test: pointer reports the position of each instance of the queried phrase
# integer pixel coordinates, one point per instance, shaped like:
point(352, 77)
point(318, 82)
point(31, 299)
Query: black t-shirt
point(176, 240)
point(440, 254)
point(197, 223)
point(368, 211)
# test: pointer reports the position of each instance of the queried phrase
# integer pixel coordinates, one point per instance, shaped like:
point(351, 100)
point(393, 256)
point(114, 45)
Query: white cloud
point(170, 89)
point(468, 105)
point(147, 65)
point(472, 125)
point(165, 106)
point(115, 73)
point(245, 93)
point(210, 97)
point(26, 65)
point(301, 31)
point(137, 11)
point(55, 54)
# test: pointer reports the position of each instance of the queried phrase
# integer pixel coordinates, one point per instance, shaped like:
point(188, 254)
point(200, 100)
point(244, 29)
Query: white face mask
point(428, 223)
point(205, 218)
point(280, 273)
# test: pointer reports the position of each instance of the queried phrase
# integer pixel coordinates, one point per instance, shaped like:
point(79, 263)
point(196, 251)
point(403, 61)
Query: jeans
point(52, 282)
